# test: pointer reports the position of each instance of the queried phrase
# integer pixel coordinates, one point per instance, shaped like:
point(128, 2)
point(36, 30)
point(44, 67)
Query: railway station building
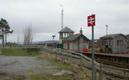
point(71, 41)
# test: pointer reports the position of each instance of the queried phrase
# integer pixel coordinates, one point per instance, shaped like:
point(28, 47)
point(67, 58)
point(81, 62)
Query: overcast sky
point(44, 16)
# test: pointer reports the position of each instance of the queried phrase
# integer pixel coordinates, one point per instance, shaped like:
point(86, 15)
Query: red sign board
point(91, 20)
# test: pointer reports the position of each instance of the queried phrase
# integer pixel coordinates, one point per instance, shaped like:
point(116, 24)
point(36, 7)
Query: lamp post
point(53, 37)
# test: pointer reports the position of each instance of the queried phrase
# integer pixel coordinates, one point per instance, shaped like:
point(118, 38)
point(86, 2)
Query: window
point(119, 42)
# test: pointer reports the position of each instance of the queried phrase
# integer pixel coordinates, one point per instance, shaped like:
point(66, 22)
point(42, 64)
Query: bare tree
point(28, 36)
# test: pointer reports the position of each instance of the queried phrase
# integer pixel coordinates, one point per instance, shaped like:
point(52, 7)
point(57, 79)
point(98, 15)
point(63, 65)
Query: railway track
point(113, 63)
point(113, 60)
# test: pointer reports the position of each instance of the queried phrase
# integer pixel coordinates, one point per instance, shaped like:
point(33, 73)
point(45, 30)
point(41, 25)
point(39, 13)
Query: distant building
point(113, 43)
point(48, 43)
point(128, 41)
point(72, 41)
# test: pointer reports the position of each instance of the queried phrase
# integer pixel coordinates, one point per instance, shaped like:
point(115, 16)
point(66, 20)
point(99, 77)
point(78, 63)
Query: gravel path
point(13, 65)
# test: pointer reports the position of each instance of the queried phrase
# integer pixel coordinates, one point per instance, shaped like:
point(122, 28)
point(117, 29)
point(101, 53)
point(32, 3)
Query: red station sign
point(91, 20)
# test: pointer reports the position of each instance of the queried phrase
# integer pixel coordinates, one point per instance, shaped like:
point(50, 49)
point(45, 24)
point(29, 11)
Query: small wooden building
point(113, 43)
point(76, 42)
point(127, 42)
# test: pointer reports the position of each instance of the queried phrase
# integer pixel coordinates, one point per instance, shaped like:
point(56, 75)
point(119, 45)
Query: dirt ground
point(18, 68)
point(13, 68)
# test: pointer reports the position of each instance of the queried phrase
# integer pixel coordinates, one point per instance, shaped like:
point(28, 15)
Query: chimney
point(81, 32)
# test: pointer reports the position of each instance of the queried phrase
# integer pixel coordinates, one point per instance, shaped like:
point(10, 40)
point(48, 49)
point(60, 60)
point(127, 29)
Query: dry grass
point(79, 73)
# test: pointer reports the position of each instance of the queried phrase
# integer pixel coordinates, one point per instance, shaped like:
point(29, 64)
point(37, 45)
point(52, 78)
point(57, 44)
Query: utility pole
point(106, 29)
point(62, 25)
point(62, 17)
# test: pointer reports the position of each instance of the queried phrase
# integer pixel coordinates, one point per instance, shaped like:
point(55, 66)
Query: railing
point(105, 72)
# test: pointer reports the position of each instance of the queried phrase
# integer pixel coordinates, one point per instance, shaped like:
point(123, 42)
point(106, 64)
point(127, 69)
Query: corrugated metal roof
point(75, 36)
point(113, 35)
point(127, 36)
point(66, 30)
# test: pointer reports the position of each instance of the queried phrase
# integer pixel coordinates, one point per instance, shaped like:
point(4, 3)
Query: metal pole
point(93, 58)
point(106, 29)
point(62, 18)
point(101, 72)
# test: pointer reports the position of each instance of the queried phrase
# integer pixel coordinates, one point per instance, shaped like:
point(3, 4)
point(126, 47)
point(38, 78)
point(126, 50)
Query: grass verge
point(53, 59)
point(54, 62)
point(15, 51)
point(78, 72)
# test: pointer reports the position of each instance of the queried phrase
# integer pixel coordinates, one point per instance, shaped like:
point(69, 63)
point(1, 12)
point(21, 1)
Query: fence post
point(101, 72)
point(125, 76)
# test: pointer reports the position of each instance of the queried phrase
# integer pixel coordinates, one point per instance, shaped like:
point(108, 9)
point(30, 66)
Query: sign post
point(91, 23)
